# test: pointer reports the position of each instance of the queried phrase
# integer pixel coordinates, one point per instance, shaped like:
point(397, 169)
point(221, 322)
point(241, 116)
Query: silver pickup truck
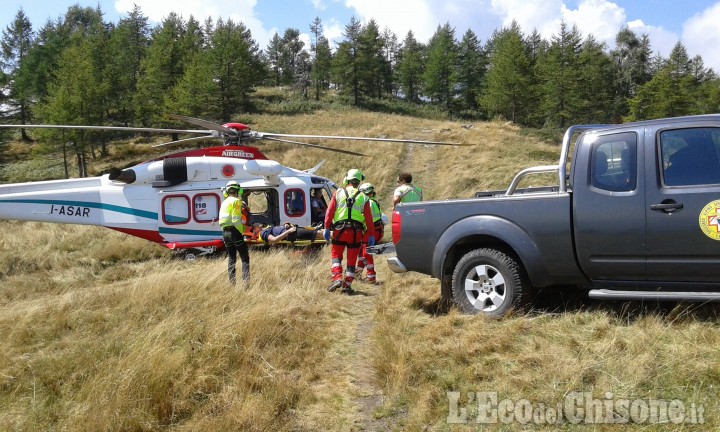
point(634, 215)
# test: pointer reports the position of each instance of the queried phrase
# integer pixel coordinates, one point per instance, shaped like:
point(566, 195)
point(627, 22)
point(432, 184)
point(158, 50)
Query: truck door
point(683, 209)
point(609, 207)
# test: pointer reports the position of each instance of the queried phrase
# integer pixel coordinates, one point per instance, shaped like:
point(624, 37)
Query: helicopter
point(174, 200)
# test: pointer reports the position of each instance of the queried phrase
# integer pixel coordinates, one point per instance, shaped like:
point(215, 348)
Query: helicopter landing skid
point(196, 252)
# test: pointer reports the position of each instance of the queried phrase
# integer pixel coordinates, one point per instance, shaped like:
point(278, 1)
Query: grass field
point(100, 331)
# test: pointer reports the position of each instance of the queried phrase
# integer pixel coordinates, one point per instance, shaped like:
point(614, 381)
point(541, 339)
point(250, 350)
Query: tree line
point(79, 69)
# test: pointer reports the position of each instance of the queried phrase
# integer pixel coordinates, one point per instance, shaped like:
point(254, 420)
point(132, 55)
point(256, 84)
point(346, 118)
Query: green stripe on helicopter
point(215, 233)
point(102, 206)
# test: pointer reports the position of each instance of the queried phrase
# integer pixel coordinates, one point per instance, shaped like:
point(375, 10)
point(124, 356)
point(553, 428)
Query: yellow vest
point(346, 212)
point(231, 213)
point(375, 210)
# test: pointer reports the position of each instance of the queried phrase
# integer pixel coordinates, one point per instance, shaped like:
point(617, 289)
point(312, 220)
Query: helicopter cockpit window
point(318, 204)
point(294, 202)
point(263, 206)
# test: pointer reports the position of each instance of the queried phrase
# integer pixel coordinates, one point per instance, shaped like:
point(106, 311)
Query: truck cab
point(645, 203)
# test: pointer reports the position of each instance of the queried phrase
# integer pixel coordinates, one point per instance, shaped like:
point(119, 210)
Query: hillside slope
point(99, 331)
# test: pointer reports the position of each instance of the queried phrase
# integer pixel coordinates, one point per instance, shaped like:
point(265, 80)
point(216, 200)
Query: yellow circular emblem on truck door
point(708, 220)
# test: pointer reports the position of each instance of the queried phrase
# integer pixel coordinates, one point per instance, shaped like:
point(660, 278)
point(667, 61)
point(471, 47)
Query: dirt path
point(368, 397)
point(420, 161)
point(349, 397)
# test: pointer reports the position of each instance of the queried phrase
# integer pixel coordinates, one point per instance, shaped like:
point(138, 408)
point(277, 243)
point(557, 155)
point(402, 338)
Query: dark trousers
point(235, 244)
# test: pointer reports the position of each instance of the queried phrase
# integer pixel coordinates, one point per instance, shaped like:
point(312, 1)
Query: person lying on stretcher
point(289, 232)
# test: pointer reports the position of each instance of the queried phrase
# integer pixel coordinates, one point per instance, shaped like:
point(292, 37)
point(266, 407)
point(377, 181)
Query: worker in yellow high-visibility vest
point(232, 220)
point(349, 217)
point(366, 260)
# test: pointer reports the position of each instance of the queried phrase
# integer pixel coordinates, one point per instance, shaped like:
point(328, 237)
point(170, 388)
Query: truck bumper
point(396, 265)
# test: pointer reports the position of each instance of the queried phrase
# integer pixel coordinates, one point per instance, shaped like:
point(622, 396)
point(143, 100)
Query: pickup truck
point(634, 214)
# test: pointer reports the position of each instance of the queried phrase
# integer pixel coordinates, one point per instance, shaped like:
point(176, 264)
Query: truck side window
point(614, 162)
point(690, 156)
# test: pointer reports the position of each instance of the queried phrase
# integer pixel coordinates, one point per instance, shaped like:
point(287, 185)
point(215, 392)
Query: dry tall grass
point(99, 331)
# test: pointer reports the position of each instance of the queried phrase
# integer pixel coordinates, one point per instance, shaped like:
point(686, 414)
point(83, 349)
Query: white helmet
point(232, 184)
point(367, 188)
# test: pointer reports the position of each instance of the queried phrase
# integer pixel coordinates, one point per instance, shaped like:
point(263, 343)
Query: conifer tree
point(410, 68)
point(194, 93)
point(597, 78)
point(162, 68)
point(371, 60)
point(391, 54)
point(42, 59)
point(17, 39)
point(509, 77)
point(129, 41)
point(559, 74)
point(671, 92)
point(273, 58)
point(74, 97)
point(346, 63)
point(321, 59)
point(237, 67)
point(438, 76)
point(470, 70)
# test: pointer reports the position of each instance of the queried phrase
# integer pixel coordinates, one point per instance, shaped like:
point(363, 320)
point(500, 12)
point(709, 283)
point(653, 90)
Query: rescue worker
point(232, 220)
point(350, 219)
point(406, 192)
point(365, 260)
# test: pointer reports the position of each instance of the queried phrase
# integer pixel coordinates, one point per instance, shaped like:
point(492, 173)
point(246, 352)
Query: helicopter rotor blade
point(100, 128)
point(314, 145)
point(267, 135)
point(203, 123)
point(188, 140)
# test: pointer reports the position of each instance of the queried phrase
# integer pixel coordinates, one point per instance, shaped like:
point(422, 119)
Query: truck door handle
point(668, 206)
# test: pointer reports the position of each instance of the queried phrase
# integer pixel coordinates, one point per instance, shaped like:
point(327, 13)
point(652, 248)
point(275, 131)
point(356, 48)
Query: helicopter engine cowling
point(164, 173)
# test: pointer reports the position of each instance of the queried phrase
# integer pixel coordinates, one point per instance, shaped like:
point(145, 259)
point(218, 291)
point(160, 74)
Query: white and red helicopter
point(174, 200)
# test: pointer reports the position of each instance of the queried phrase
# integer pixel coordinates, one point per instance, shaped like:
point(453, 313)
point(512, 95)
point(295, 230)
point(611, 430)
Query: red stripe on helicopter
point(155, 237)
point(152, 236)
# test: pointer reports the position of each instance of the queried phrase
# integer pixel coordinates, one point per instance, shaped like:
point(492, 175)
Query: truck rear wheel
point(487, 281)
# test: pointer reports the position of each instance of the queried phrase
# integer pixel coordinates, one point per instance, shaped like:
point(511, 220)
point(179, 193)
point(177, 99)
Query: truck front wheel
point(487, 281)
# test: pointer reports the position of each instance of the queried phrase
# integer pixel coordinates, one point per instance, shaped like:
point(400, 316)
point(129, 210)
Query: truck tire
point(487, 281)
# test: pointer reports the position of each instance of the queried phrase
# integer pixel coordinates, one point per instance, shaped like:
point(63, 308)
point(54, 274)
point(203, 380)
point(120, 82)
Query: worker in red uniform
point(365, 260)
point(350, 219)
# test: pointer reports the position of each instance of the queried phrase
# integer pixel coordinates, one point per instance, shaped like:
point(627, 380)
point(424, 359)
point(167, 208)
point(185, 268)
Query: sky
point(692, 22)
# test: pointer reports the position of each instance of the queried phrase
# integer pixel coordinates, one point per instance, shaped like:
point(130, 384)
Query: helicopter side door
point(263, 205)
point(190, 215)
point(296, 206)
